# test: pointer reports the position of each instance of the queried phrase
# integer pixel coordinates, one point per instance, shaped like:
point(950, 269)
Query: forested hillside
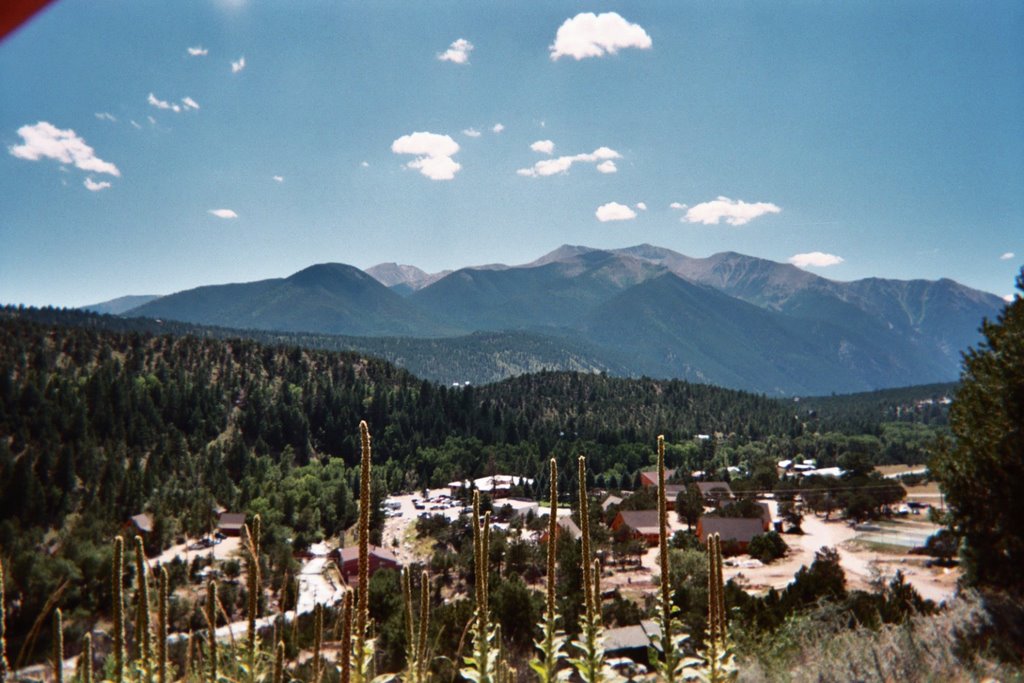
point(98, 425)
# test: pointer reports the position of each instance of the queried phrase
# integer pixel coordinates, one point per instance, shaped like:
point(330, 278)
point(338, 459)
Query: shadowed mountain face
point(728, 319)
point(332, 298)
point(120, 304)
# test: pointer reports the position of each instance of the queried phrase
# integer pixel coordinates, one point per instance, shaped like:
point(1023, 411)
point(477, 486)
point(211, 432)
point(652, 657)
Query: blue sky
point(883, 138)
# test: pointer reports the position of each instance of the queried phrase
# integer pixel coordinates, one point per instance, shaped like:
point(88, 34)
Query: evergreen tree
point(981, 472)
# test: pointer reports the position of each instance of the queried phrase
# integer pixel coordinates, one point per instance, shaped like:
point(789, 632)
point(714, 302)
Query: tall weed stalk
point(552, 643)
point(589, 664)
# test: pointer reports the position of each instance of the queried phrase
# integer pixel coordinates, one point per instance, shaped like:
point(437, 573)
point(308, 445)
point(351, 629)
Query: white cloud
point(498, 127)
point(595, 35)
point(365, 164)
point(543, 146)
point(815, 259)
point(223, 213)
point(104, 116)
point(1008, 298)
point(472, 133)
point(548, 167)
point(613, 211)
point(677, 206)
point(735, 212)
point(238, 66)
point(1007, 256)
point(189, 103)
point(44, 140)
point(279, 178)
point(607, 167)
point(135, 124)
point(433, 153)
point(162, 104)
point(152, 121)
point(641, 206)
point(457, 52)
point(94, 186)
point(198, 51)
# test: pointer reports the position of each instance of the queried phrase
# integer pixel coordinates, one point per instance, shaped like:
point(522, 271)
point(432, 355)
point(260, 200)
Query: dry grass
point(969, 641)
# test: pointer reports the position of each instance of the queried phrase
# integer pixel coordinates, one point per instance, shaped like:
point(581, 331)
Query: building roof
point(626, 638)
point(350, 553)
point(231, 520)
point(650, 477)
point(740, 529)
point(143, 522)
point(707, 488)
point(498, 482)
point(566, 524)
point(644, 521)
point(609, 501)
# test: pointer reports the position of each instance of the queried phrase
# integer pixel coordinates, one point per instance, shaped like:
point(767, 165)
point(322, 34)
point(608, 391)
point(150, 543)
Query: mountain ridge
point(731, 319)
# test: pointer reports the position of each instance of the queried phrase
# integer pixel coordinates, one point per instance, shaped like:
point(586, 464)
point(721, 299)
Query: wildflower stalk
point(719, 664)
point(346, 637)
point(58, 647)
point(550, 647)
point(85, 660)
point(3, 629)
point(318, 635)
point(481, 666)
point(142, 632)
point(279, 663)
point(669, 672)
point(117, 578)
point(361, 655)
point(589, 664)
point(161, 625)
point(211, 622)
point(424, 623)
point(253, 587)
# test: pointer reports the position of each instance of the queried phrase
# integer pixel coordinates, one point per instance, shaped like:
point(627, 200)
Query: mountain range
point(728, 319)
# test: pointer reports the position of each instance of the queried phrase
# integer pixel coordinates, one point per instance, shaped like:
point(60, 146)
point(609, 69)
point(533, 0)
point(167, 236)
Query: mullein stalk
point(346, 637)
point(718, 654)
point(361, 668)
point(211, 623)
point(481, 666)
point(279, 662)
point(162, 587)
point(424, 623)
point(117, 581)
point(669, 672)
point(590, 664)
point(253, 587)
point(142, 631)
point(58, 647)
point(85, 660)
point(3, 629)
point(318, 635)
point(546, 666)
point(416, 631)
point(410, 629)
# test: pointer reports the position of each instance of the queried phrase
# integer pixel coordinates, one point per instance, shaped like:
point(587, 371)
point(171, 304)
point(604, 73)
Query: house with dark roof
point(736, 530)
point(378, 558)
point(231, 523)
point(632, 642)
point(644, 523)
point(715, 492)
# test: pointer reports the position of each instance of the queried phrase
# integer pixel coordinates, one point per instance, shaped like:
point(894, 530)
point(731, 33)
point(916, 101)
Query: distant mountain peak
point(566, 252)
point(401, 275)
